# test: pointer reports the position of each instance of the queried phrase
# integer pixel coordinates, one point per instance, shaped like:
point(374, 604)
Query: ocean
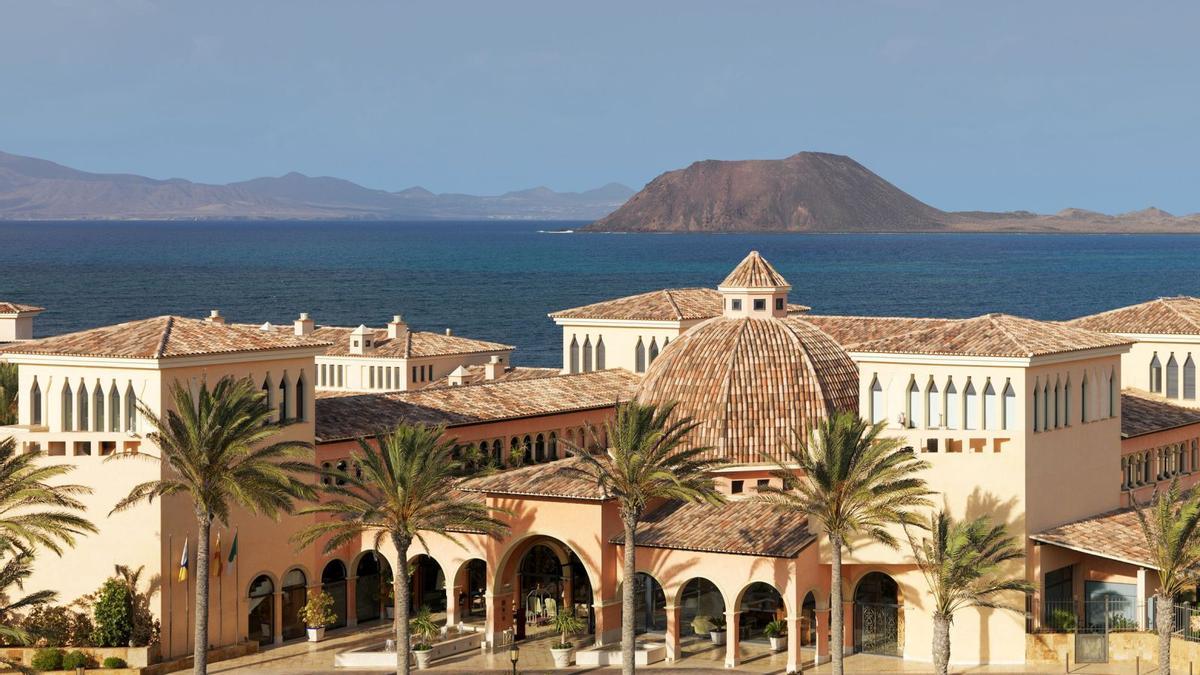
point(498, 280)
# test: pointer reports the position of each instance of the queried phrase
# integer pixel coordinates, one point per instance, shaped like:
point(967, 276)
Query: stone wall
point(1122, 648)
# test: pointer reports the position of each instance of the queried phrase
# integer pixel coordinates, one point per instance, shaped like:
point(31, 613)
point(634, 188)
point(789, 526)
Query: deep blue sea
point(498, 280)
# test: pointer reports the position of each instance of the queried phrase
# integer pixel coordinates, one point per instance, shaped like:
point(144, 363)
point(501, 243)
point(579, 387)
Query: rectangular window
point(371, 377)
point(760, 305)
point(736, 305)
point(764, 482)
point(736, 487)
point(414, 374)
point(778, 304)
point(340, 378)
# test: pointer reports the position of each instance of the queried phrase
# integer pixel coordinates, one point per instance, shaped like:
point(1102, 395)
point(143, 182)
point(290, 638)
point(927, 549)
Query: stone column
point(568, 587)
point(352, 601)
point(821, 620)
point(452, 609)
point(277, 598)
point(674, 616)
point(1141, 599)
point(499, 616)
point(732, 639)
point(794, 658)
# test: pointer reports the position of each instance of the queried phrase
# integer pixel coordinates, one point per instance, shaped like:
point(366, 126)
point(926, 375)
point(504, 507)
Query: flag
point(216, 558)
point(233, 548)
point(183, 562)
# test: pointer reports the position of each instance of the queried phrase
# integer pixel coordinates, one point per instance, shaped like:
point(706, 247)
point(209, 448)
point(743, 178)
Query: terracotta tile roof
point(750, 382)
point(550, 479)
point(1145, 413)
point(478, 375)
point(1179, 315)
point(1000, 335)
point(416, 344)
point(740, 527)
point(668, 304)
point(341, 416)
point(163, 337)
point(1116, 535)
point(17, 308)
point(849, 331)
point(754, 272)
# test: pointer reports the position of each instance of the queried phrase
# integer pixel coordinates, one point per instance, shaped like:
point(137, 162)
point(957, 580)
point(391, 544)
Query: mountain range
point(822, 192)
point(37, 189)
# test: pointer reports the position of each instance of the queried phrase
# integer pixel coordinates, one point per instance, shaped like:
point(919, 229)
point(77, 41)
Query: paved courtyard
point(699, 657)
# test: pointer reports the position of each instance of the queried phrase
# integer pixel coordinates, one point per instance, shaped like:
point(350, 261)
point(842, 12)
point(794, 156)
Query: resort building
point(1049, 427)
point(16, 321)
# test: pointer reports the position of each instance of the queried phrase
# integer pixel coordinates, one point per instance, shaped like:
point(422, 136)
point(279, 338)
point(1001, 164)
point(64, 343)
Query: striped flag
point(216, 558)
point(183, 562)
point(233, 548)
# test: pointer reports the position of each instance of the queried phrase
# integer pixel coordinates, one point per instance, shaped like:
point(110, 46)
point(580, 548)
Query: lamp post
point(514, 654)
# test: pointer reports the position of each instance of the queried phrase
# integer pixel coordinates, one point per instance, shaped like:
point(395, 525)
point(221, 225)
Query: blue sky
point(966, 105)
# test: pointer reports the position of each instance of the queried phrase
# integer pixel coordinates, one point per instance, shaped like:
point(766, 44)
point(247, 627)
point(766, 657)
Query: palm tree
point(217, 449)
point(33, 512)
point(407, 488)
point(855, 484)
point(8, 393)
point(13, 572)
point(141, 616)
point(1171, 525)
point(962, 562)
point(647, 459)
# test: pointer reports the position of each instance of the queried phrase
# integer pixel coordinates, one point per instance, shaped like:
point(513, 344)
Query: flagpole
point(170, 596)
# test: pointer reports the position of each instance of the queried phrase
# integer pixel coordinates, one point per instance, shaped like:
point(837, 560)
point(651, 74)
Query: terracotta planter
point(423, 658)
point(562, 657)
point(316, 634)
point(717, 637)
point(778, 644)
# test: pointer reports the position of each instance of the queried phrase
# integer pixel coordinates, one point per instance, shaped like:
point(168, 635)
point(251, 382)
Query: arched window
point(98, 407)
point(573, 356)
point(539, 448)
point(114, 408)
point(914, 404)
point(302, 397)
point(600, 353)
point(1083, 399)
point(989, 405)
point(1009, 412)
point(68, 407)
point(1065, 419)
point(284, 386)
point(553, 445)
point(1189, 378)
point(1056, 417)
point(639, 357)
point(653, 350)
point(527, 449)
point(261, 605)
point(1047, 408)
point(933, 405)
point(498, 452)
point(1037, 407)
point(82, 400)
point(1113, 394)
point(878, 413)
point(971, 404)
point(35, 403)
point(953, 405)
point(1155, 374)
point(1172, 377)
point(587, 354)
point(268, 392)
point(130, 409)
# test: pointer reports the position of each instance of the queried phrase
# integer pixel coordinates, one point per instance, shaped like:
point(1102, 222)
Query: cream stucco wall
point(356, 375)
point(620, 339)
point(1135, 365)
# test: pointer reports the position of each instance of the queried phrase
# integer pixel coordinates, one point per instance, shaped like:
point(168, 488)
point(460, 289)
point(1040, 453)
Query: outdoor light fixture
point(514, 654)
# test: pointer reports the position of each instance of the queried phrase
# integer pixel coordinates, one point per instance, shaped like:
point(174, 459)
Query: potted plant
point(775, 632)
point(387, 594)
point(717, 632)
point(565, 624)
point(316, 614)
point(425, 631)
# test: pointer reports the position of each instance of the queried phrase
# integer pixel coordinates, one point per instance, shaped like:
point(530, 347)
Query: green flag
point(233, 548)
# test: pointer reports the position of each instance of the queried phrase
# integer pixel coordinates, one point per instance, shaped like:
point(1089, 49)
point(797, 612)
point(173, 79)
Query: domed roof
point(751, 381)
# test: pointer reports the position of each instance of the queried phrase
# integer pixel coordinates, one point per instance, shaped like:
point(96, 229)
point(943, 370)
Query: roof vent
point(215, 317)
point(303, 325)
point(457, 377)
point(493, 368)
point(266, 326)
point(397, 328)
point(449, 332)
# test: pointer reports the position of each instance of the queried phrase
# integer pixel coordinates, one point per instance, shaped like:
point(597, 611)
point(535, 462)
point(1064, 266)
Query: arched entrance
point(472, 588)
point(808, 620)
point(700, 598)
point(428, 584)
point(372, 586)
point(261, 620)
point(761, 604)
point(649, 605)
point(877, 615)
point(295, 594)
point(551, 579)
point(333, 581)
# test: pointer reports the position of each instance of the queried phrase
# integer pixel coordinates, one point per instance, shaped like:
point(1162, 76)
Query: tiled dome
point(751, 381)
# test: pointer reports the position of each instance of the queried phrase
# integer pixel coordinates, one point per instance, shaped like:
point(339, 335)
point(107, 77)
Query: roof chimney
point(215, 317)
point(303, 325)
point(493, 368)
point(457, 377)
point(449, 332)
point(397, 328)
point(362, 340)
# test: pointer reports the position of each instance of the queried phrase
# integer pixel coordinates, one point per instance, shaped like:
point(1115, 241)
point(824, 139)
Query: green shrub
point(1062, 620)
point(57, 626)
point(47, 659)
point(77, 659)
point(113, 612)
point(776, 628)
point(114, 662)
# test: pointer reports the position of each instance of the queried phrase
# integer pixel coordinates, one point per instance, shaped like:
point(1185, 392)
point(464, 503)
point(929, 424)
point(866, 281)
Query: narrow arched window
point(1009, 411)
point(573, 356)
point(268, 392)
point(989, 406)
point(82, 401)
point(1037, 407)
point(35, 403)
point(639, 357)
point(1113, 394)
point(302, 397)
point(953, 405)
point(914, 404)
point(1155, 374)
point(553, 445)
point(600, 353)
point(284, 385)
point(114, 408)
point(98, 407)
point(130, 409)
point(933, 405)
point(1083, 399)
point(539, 448)
point(1056, 417)
point(971, 404)
point(1065, 420)
point(878, 413)
point(587, 354)
point(653, 350)
point(1172, 378)
point(1047, 407)
point(1189, 378)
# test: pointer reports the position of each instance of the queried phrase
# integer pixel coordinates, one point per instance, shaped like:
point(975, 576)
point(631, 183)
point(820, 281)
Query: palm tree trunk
point(837, 622)
point(400, 593)
point(627, 639)
point(200, 648)
point(941, 643)
point(1166, 626)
